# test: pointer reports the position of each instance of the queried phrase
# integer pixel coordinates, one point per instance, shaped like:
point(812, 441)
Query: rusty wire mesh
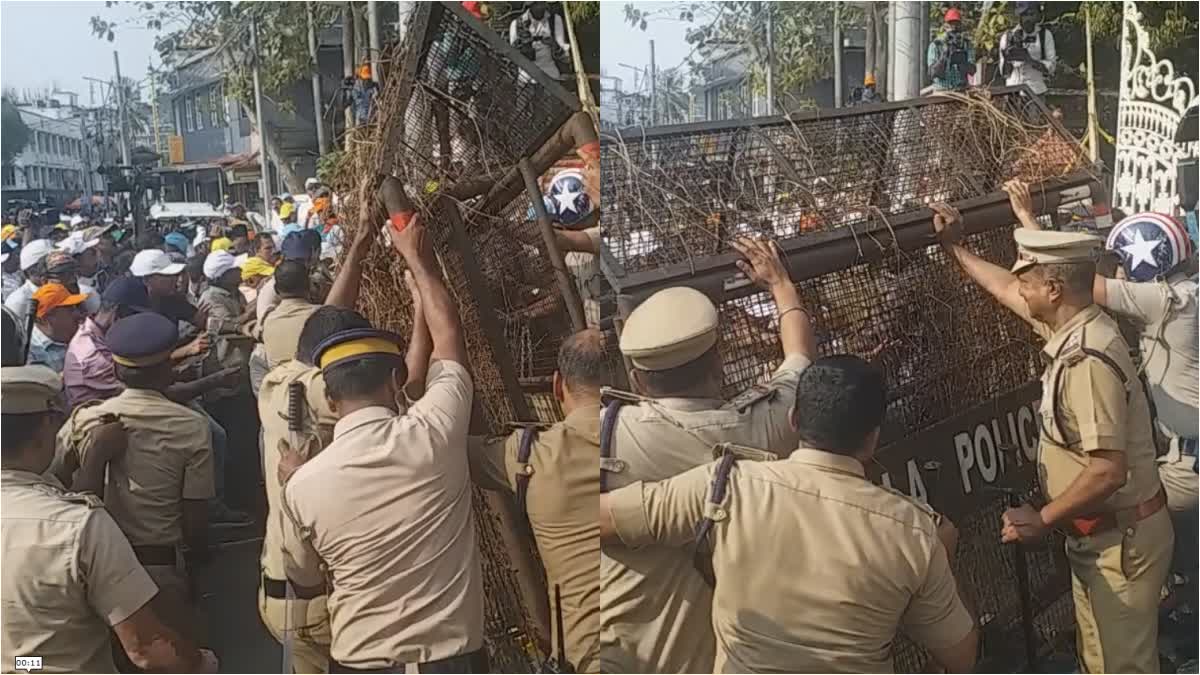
point(678, 196)
point(944, 345)
point(987, 578)
point(456, 106)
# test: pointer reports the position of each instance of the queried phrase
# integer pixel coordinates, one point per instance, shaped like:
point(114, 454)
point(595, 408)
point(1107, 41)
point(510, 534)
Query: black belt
point(277, 589)
point(471, 662)
point(155, 555)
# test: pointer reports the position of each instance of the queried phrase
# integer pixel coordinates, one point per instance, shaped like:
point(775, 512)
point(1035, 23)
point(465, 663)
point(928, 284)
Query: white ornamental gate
point(1153, 100)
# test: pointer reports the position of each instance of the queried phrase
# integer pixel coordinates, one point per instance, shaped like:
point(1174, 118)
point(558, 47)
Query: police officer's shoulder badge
point(746, 399)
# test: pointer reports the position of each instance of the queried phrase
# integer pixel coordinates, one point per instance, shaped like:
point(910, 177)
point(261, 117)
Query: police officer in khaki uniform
point(383, 514)
point(815, 568)
point(158, 491)
point(69, 573)
point(1096, 456)
point(281, 324)
point(655, 614)
point(552, 472)
point(308, 619)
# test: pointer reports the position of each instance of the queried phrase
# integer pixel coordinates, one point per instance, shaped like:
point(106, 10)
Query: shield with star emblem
point(1150, 245)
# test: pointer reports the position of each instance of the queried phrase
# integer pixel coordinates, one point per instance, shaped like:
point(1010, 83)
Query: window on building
point(177, 109)
point(216, 103)
point(201, 100)
point(189, 111)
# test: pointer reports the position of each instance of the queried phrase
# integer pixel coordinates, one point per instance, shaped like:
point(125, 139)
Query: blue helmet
point(1150, 245)
point(570, 197)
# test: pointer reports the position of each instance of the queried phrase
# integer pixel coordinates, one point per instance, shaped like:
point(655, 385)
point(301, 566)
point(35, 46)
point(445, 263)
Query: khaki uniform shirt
point(281, 329)
point(817, 569)
point(69, 574)
point(656, 607)
point(561, 503)
point(168, 459)
point(272, 410)
point(1085, 406)
point(1167, 313)
point(387, 509)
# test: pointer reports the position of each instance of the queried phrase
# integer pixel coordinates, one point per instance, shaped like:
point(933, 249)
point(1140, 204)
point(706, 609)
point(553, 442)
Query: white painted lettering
point(986, 458)
point(1027, 422)
point(916, 486)
point(964, 450)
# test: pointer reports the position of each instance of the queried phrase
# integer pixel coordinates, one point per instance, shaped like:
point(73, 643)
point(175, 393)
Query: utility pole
point(906, 60)
point(837, 54)
point(1093, 136)
point(925, 81)
point(882, 45)
point(653, 88)
point(121, 109)
point(154, 110)
point(769, 7)
point(348, 60)
point(373, 40)
point(258, 117)
point(318, 117)
point(890, 50)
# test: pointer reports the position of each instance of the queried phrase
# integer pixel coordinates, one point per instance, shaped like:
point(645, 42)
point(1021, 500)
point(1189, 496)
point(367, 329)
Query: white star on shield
point(566, 200)
point(1141, 251)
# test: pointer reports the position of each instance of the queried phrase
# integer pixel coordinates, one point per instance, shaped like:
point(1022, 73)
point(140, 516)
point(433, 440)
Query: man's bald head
point(583, 362)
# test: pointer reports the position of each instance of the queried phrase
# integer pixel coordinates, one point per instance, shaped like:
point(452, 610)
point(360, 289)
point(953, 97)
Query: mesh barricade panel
point(456, 107)
point(676, 197)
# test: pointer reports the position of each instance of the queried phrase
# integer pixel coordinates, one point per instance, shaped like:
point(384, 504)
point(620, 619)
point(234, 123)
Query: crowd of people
point(160, 399)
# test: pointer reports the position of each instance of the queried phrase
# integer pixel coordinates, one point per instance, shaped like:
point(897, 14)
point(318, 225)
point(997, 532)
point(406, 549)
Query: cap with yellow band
point(349, 345)
point(142, 340)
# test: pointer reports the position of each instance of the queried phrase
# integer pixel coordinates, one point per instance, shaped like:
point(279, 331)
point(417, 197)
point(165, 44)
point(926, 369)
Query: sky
point(50, 44)
point(622, 43)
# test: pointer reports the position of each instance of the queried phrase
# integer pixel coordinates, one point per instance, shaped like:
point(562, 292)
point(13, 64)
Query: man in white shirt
point(10, 263)
point(1027, 52)
point(33, 257)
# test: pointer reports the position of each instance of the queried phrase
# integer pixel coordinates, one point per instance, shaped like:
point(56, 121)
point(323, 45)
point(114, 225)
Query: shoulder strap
point(524, 469)
point(608, 426)
point(702, 547)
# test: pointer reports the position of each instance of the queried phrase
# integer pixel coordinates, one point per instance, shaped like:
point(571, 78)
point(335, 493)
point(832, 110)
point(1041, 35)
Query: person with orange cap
point(58, 317)
point(867, 94)
point(951, 56)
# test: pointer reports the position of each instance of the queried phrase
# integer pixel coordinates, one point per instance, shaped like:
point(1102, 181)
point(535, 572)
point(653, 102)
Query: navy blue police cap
point(142, 340)
point(128, 292)
point(356, 343)
point(300, 245)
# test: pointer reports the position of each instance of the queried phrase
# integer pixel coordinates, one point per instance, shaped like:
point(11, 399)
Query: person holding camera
point(1027, 52)
point(951, 57)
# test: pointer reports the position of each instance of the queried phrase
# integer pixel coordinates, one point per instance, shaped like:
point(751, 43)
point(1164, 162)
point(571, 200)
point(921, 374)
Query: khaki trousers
point(310, 630)
point(1116, 578)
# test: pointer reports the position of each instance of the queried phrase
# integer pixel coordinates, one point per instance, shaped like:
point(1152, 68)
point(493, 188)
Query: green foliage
point(282, 37)
point(14, 135)
point(803, 34)
point(328, 166)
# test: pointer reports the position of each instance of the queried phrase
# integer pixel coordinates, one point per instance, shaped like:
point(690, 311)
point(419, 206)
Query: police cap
point(28, 389)
point(673, 327)
point(1042, 247)
point(356, 343)
point(142, 340)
